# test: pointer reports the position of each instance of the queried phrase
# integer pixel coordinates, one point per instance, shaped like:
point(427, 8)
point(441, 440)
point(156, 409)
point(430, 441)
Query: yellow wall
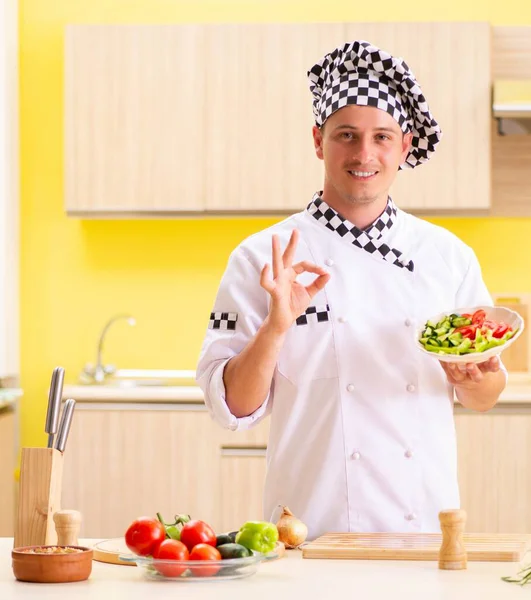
point(76, 274)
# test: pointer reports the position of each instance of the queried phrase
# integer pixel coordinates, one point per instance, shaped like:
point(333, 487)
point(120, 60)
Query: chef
point(314, 321)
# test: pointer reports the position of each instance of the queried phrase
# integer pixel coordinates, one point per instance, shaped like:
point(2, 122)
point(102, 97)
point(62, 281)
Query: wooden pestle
point(452, 553)
point(67, 524)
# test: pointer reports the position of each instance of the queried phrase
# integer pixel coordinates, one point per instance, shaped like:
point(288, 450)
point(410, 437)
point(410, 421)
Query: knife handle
point(64, 425)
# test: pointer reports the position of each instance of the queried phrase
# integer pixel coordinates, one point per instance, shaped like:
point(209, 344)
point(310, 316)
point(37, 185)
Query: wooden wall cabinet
point(216, 118)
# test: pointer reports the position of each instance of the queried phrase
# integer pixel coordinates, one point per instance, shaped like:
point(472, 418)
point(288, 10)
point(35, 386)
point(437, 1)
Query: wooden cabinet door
point(7, 468)
point(259, 115)
point(134, 119)
point(124, 463)
point(451, 62)
point(494, 464)
point(241, 486)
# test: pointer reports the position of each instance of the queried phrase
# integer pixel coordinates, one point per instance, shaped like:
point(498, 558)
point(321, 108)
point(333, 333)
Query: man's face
point(362, 148)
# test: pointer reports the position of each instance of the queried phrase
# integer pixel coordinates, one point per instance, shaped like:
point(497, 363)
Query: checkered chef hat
point(360, 73)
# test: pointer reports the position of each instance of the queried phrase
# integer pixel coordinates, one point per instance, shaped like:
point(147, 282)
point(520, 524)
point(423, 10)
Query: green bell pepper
point(261, 536)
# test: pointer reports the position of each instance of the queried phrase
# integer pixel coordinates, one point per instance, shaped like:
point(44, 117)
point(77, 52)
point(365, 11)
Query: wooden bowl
point(51, 568)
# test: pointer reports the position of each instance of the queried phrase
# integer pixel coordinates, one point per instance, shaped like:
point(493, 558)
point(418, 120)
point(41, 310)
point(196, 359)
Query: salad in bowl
point(470, 335)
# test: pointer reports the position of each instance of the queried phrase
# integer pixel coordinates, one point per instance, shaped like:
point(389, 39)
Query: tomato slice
point(501, 330)
point(467, 331)
point(478, 317)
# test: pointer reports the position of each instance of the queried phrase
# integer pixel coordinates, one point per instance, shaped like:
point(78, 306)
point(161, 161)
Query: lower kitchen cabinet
point(494, 464)
point(242, 476)
point(124, 463)
point(7, 467)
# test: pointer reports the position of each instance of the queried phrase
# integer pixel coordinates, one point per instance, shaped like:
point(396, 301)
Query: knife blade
point(54, 404)
point(64, 425)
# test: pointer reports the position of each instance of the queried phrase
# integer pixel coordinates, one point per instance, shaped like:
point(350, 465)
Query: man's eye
point(346, 135)
point(382, 136)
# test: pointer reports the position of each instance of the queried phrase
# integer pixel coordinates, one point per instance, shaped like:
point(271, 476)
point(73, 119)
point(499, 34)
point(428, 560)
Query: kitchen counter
point(8, 397)
point(517, 392)
point(284, 578)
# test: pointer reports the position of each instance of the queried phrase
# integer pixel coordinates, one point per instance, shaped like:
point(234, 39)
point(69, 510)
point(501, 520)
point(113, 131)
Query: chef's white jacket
point(362, 435)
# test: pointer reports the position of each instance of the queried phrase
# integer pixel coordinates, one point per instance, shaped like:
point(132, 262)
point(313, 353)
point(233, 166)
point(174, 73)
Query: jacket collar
point(370, 238)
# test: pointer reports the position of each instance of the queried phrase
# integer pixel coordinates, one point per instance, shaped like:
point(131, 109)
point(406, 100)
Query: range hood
point(511, 106)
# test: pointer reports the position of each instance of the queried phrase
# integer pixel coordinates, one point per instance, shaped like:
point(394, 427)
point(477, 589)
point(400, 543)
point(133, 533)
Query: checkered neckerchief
point(370, 238)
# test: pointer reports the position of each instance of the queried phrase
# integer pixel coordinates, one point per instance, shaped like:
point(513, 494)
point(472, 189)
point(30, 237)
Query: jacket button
point(407, 322)
point(410, 517)
point(350, 387)
point(356, 456)
point(329, 262)
point(408, 453)
point(411, 388)
point(342, 319)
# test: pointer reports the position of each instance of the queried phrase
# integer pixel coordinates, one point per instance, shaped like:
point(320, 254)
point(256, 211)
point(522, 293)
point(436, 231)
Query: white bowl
point(496, 313)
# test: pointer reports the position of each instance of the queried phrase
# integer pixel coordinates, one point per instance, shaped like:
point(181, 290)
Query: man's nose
point(363, 151)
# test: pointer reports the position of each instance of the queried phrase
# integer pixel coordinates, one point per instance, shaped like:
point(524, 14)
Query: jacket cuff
point(215, 395)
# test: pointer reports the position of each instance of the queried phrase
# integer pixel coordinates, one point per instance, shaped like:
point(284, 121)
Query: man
point(362, 434)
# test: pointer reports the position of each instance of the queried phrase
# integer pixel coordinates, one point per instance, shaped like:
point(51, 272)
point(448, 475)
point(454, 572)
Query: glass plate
point(199, 570)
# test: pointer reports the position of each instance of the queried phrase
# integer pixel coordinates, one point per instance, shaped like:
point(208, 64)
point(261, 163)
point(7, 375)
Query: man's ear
point(407, 138)
point(318, 141)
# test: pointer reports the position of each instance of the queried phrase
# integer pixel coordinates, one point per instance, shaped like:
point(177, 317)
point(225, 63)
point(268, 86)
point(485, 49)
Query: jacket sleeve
point(239, 297)
point(473, 291)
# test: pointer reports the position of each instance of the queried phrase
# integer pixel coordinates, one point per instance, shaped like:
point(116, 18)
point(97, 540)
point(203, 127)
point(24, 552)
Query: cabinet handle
point(243, 450)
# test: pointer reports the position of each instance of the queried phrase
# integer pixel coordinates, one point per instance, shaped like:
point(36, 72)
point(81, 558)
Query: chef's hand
point(289, 299)
point(467, 375)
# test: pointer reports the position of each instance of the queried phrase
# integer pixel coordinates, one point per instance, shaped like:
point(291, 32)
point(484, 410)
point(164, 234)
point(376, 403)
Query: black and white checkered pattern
point(360, 73)
point(369, 239)
point(314, 314)
point(223, 320)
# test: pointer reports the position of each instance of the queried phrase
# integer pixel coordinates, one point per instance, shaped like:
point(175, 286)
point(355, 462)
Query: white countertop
point(518, 391)
point(106, 393)
point(288, 577)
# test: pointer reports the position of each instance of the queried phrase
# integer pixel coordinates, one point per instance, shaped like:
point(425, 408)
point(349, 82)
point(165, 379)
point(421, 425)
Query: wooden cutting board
point(495, 547)
point(109, 551)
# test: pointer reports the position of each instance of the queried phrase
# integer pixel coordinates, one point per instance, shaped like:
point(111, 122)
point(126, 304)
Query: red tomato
point(205, 552)
point(144, 535)
point(467, 331)
point(488, 324)
point(478, 317)
point(197, 532)
point(467, 315)
point(171, 550)
point(501, 330)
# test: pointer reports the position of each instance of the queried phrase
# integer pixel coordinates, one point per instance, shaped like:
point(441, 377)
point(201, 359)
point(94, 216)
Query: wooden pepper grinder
point(452, 554)
point(67, 524)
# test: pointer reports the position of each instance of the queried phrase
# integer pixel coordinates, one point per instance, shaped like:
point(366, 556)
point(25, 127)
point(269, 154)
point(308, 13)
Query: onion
point(291, 531)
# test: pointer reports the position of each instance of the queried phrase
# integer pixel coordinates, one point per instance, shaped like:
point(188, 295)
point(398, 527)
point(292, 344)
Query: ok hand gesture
point(289, 299)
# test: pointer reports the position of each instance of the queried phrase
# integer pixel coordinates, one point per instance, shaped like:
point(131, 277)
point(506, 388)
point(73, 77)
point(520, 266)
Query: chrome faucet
point(97, 373)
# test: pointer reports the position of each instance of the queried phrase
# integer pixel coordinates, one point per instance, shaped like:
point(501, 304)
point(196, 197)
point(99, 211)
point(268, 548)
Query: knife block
point(41, 477)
